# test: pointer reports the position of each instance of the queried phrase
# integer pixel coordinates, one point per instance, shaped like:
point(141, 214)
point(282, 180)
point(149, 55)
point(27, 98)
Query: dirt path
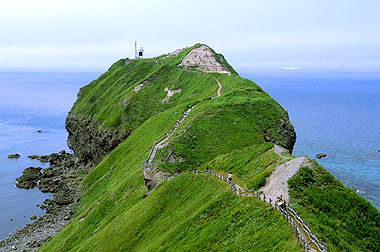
point(277, 183)
point(219, 89)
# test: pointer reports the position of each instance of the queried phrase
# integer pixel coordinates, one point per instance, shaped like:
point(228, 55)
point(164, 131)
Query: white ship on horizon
point(290, 68)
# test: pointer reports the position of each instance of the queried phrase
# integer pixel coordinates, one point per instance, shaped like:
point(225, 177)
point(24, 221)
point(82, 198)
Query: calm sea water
point(337, 114)
point(31, 102)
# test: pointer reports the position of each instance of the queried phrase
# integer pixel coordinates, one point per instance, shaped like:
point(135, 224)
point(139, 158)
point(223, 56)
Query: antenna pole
point(135, 49)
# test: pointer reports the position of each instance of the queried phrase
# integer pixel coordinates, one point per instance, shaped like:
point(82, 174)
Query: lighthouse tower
point(139, 54)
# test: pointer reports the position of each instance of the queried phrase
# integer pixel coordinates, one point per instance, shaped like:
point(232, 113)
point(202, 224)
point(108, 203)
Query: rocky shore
point(61, 178)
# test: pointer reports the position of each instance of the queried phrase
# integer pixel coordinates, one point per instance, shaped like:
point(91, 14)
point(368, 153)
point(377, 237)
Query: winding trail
point(219, 89)
point(147, 166)
point(276, 184)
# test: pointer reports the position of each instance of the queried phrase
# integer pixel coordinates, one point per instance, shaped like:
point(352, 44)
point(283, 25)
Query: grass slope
point(346, 221)
point(189, 213)
point(250, 165)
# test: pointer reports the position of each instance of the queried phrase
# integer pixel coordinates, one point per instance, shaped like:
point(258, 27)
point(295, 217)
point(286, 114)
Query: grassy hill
point(234, 132)
point(191, 212)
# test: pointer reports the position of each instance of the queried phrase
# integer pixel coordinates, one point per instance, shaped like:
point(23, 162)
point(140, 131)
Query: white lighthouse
point(139, 54)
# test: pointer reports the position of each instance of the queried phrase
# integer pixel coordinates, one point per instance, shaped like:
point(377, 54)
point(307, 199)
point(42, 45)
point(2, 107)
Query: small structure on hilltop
point(139, 54)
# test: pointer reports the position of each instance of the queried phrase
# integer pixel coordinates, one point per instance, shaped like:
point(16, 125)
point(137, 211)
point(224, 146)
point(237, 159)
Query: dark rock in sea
point(33, 217)
point(11, 219)
point(321, 155)
point(29, 178)
point(43, 158)
point(14, 155)
point(33, 156)
point(39, 131)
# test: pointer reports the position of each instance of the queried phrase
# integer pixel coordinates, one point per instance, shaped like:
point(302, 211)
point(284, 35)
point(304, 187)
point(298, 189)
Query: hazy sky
point(84, 35)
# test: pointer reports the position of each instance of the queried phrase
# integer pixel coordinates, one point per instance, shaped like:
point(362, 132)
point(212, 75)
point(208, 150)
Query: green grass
point(242, 116)
point(188, 213)
point(250, 166)
point(198, 212)
point(346, 221)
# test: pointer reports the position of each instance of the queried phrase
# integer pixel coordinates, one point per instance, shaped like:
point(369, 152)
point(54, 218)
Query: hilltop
point(187, 111)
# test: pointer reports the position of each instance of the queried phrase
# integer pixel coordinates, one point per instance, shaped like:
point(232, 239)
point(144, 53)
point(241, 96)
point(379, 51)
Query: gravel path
point(277, 183)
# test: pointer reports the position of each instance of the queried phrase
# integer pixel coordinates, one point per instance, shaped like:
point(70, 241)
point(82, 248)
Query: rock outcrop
point(204, 60)
point(89, 142)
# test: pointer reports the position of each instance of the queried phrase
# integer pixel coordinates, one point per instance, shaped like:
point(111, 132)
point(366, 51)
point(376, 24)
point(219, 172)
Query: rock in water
point(321, 155)
point(29, 178)
point(43, 158)
point(14, 155)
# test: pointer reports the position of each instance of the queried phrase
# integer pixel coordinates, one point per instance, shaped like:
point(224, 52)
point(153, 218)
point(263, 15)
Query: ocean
point(31, 102)
point(337, 114)
point(333, 113)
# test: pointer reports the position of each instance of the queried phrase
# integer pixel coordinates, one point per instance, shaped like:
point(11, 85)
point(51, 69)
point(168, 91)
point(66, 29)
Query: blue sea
point(31, 102)
point(337, 114)
point(333, 113)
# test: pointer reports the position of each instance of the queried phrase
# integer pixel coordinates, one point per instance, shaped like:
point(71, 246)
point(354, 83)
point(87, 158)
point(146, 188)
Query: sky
point(83, 35)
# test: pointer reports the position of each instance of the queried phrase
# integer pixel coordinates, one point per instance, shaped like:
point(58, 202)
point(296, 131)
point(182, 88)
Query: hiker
point(229, 176)
point(284, 205)
point(146, 180)
point(281, 203)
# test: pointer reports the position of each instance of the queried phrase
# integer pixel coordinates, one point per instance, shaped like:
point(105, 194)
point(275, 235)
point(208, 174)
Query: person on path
point(281, 203)
point(229, 176)
point(146, 180)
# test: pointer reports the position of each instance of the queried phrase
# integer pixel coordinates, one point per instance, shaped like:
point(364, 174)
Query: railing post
point(239, 191)
point(270, 201)
point(264, 197)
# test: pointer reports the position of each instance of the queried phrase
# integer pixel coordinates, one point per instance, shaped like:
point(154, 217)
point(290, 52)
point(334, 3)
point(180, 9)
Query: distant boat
point(290, 68)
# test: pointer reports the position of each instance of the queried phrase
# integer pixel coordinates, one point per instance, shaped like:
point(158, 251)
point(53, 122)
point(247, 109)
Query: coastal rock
point(29, 178)
point(39, 131)
point(14, 155)
point(90, 142)
point(33, 217)
point(43, 158)
point(321, 155)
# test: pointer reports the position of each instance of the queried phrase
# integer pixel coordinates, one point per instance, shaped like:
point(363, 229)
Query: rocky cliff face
point(89, 142)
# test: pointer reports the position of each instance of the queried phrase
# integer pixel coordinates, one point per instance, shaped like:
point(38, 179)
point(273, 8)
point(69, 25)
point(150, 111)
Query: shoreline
point(65, 181)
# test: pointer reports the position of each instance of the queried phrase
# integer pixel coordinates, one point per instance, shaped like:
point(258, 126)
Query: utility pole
point(136, 56)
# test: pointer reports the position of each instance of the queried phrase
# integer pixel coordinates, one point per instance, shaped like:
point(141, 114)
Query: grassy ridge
point(191, 212)
point(346, 221)
point(196, 213)
point(242, 116)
